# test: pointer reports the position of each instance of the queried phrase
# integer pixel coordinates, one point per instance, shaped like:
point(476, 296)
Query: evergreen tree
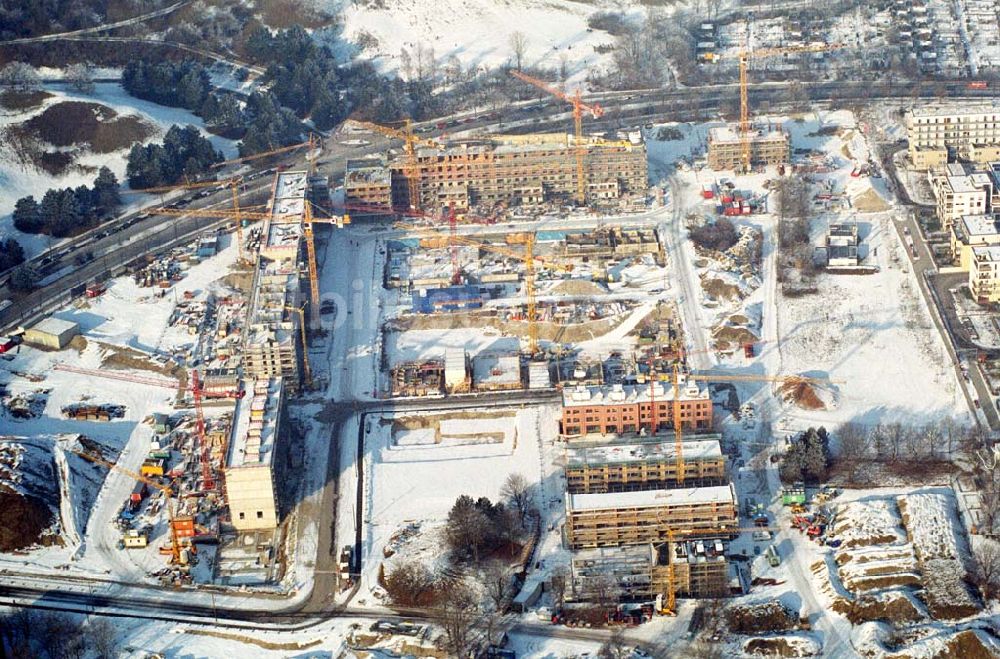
point(106, 192)
point(11, 254)
point(26, 215)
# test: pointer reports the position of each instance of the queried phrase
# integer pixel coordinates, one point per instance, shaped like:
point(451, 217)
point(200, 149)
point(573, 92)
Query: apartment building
point(632, 518)
point(511, 170)
point(622, 409)
point(767, 147)
point(367, 182)
point(968, 129)
point(250, 464)
point(958, 193)
point(984, 274)
point(969, 232)
point(647, 464)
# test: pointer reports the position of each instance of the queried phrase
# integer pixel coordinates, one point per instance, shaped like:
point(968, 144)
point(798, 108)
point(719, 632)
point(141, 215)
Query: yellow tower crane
point(168, 494)
point(579, 107)
point(410, 143)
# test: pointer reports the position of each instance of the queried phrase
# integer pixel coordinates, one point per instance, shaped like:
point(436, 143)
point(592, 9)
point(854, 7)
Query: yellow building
point(928, 157)
point(958, 193)
point(984, 274)
point(54, 333)
point(972, 231)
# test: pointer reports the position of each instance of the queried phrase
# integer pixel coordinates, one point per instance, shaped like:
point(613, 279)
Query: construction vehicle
point(579, 107)
point(174, 521)
point(209, 475)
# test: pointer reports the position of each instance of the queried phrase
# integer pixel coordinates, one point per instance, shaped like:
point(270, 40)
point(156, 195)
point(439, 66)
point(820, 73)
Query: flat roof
point(727, 134)
point(964, 109)
point(659, 450)
point(652, 498)
point(496, 368)
point(275, 292)
point(283, 229)
point(255, 424)
point(979, 225)
point(617, 394)
point(53, 325)
point(987, 253)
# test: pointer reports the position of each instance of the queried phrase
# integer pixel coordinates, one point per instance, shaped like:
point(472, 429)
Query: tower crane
point(233, 184)
point(208, 478)
point(410, 142)
point(313, 141)
point(168, 494)
point(579, 107)
point(745, 55)
point(528, 257)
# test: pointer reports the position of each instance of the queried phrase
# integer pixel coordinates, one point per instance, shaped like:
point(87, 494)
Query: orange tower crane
point(747, 54)
point(312, 143)
point(168, 494)
point(579, 107)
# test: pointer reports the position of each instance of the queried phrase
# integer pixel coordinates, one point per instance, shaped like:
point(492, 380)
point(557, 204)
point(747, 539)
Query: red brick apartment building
point(627, 409)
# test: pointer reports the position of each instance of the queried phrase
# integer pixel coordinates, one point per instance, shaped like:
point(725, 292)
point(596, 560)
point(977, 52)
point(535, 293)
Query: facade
point(984, 274)
point(54, 333)
point(525, 170)
point(647, 465)
point(649, 516)
point(622, 409)
point(928, 157)
point(367, 182)
point(969, 232)
point(272, 345)
point(417, 378)
point(457, 378)
point(250, 461)
point(958, 194)
point(767, 147)
point(969, 129)
point(700, 568)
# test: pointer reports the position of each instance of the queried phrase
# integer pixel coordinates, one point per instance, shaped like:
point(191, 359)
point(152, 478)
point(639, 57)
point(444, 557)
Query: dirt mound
point(760, 618)
point(577, 287)
point(891, 607)
point(970, 644)
point(781, 646)
point(77, 123)
point(870, 202)
point(22, 521)
point(719, 289)
point(802, 394)
point(727, 337)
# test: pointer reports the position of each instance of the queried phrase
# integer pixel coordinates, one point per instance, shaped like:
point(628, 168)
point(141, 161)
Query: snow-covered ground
point(18, 179)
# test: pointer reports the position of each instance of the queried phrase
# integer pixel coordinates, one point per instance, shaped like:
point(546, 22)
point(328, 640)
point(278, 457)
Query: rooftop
point(654, 450)
point(276, 292)
point(724, 134)
point(978, 225)
point(652, 498)
point(255, 424)
point(618, 394)
point(989, 253)
point(52, 325)
point(496, 368)
point(964, 109)
point(367, 170)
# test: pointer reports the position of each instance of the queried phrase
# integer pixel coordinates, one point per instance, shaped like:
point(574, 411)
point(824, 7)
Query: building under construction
point(635, 518)
point(418, 378)
point(649, 464)
point(641, 572)
point(272, 344)
point(521, 170)
point(767, 147)
point(612, 243)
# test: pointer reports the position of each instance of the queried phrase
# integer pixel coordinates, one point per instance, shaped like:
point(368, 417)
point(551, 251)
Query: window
point(243, 515)
point(260, 514)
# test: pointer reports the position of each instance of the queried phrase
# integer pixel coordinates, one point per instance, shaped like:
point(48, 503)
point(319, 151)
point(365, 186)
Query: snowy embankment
point(19, 178)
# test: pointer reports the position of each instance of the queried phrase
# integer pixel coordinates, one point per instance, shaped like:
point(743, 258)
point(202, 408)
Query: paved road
point(104, 27)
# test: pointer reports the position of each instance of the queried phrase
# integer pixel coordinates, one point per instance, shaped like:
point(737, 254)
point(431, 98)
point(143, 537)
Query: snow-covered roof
point(617, 394)
point(255, 424)
point(55, 326)
point(652, 498)
point(692, 449)
point(979, 225)
point(990, 253)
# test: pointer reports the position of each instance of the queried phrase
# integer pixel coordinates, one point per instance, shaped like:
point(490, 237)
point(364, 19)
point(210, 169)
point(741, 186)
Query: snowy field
point(18, 179)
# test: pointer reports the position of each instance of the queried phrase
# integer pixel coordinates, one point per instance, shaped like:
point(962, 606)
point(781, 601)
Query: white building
point(984, 274)
point(932, 128)
point(957, 194)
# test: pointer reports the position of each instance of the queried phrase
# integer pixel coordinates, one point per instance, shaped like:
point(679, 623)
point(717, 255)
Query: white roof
point(987, 253)
point(692, 449)
point(617, 394)
point(652, 498)
point(252, 440)
point(56, 326)
point(979, 225)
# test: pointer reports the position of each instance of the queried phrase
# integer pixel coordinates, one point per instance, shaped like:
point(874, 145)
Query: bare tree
point(853, 440)
point(614, 647)
point(20, 76)
point(103, 639)
point(517, 490)
point(410, 584)
point(986, 567)
point(558, 580)
point(518, 45)
point(80, 77)
point(458, 614)
point(603, 590)
point(987, 476)
point(498, 583)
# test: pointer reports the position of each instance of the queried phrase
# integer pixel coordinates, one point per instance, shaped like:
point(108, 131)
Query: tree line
point(64, 212)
